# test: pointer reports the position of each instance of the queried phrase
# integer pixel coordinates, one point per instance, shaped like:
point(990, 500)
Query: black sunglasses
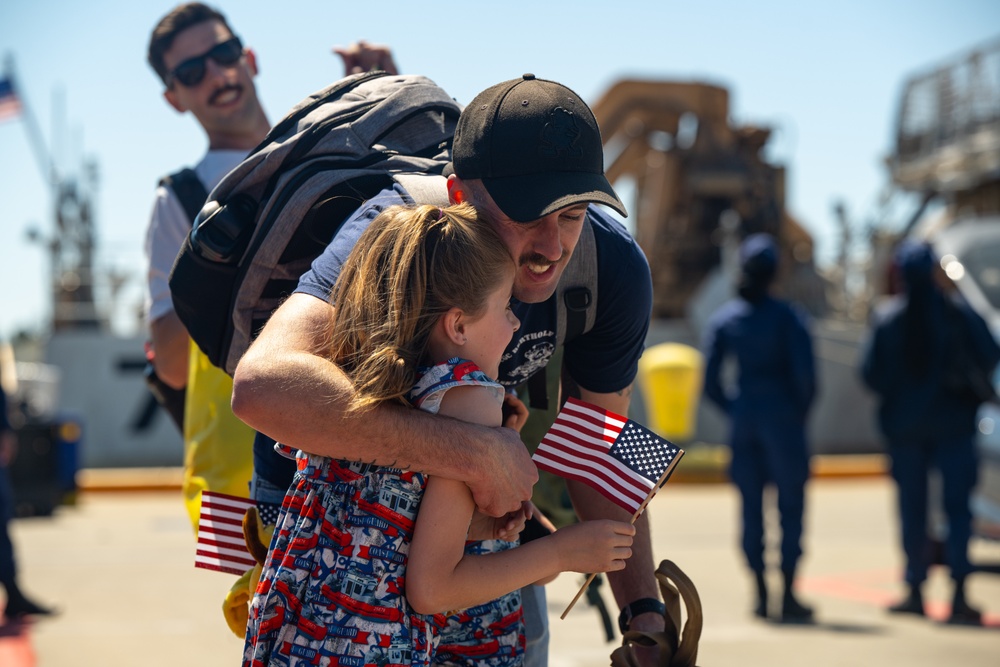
point(191, 72)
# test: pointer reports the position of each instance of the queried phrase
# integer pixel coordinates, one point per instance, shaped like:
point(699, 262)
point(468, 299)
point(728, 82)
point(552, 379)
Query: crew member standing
point(770, 341)
point(927, 417)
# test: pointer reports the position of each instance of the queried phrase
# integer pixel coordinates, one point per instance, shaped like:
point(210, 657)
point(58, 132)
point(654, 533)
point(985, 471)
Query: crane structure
point(71, 245)
point(948, 133)
point(692, 169)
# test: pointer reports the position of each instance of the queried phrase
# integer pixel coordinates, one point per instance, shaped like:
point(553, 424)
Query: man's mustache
point(224, 89)
point(535, 258)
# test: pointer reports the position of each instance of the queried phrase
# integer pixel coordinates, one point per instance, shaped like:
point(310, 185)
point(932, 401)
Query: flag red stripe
point(582, 442)
point(216, 523)
point(228, 516)
point(615, 488)
point(209, 547)
point(628, 503)
point(225, 503)
point(223, 566)
point(209, 530)
point(221, 545)
point(224, 513)
point(217, 498)
point(210, 514)
point(216, 567)
point(602, 416)
point(231, 555)
point(588, 427)
point(604, 465)
point(212, 505)
point(591, 458)
point(600, 438)
point(625, 488)
point(600, 421)
point(237, 565)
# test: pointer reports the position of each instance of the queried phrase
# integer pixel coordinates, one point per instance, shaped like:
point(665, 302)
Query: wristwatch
point(640, 606)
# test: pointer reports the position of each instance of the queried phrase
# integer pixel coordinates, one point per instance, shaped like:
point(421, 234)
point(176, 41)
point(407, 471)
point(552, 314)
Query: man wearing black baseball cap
point(536, 147)
point(528, 154)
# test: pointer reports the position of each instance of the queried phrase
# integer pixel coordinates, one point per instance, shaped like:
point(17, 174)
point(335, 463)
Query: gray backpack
point(267, 220)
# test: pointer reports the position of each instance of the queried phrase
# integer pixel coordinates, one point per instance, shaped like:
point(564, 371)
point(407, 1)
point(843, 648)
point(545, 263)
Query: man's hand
point(506, 474)
point(515, 412)
point(171, 349)
point(364, 57)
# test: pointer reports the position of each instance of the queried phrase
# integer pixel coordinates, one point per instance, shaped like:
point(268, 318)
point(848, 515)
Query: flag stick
point(649, 496)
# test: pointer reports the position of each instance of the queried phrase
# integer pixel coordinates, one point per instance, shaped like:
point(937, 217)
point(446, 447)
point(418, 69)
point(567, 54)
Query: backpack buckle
point(577, 298)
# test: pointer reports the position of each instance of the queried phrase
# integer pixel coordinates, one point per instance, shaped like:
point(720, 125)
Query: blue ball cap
point(759, 254)
point(915, 260)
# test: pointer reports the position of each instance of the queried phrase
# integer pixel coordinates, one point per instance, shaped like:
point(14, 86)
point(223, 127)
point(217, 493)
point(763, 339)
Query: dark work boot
point(761, 609)
point(961, 612)
point(913, 603)
point(793, 611)
point(19, 606)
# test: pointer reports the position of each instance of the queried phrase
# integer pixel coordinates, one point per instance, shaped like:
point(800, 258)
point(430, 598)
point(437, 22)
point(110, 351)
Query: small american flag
point(615, 455)
point(221, 545)
point(10, 103)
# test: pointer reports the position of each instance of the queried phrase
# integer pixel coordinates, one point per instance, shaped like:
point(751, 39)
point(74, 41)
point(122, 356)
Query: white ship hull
point(101, 383)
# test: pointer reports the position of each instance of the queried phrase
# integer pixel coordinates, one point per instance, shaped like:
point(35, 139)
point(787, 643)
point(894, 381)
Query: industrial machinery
point(96, 382)
point(693, 170)
point(948, 133)
point(947, 154)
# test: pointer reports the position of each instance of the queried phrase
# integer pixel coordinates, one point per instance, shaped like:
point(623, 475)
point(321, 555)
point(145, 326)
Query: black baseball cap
point(536, 147)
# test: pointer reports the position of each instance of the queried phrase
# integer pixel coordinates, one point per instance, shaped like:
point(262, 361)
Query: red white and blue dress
point(332, 590)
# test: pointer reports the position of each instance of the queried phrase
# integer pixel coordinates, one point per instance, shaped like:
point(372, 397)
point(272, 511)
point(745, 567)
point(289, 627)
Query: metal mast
point(71, 244)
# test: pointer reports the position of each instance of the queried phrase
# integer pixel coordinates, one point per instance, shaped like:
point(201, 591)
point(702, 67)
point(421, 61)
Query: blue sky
point(825, 76)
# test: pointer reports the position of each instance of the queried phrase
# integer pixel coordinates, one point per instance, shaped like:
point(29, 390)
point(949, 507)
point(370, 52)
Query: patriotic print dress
point(331, 592)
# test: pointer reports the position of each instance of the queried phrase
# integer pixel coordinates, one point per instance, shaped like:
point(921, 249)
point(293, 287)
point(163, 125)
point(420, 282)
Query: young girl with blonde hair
point(376, 565)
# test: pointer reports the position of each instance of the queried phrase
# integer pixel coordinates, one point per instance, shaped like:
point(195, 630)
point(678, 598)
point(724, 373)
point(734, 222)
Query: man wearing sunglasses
point(206, 70)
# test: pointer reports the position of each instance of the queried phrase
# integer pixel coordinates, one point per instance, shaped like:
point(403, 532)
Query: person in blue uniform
point(927, 421)
point(18, 605)
point(769, 341)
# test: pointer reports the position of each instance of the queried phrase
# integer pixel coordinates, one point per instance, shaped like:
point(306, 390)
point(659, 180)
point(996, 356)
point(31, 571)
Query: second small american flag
point(617, 456)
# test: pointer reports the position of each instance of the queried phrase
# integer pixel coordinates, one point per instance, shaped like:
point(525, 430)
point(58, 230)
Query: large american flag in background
point(617, 456)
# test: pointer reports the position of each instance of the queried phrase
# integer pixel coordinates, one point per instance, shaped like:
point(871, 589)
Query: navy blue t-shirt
point(603, 360)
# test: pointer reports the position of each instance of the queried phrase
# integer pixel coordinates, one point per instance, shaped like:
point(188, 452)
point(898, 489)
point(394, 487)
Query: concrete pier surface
point(119, 565)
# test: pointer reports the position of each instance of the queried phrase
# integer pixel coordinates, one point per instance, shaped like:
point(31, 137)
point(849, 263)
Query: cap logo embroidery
point(560, 134)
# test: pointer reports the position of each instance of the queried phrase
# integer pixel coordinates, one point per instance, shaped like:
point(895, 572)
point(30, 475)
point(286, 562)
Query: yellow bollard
point(670, 378)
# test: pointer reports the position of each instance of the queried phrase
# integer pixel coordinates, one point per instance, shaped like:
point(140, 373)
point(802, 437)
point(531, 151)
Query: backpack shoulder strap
point(189, 190)
point(577, 291)
point(425, 188)
point(576, 307)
